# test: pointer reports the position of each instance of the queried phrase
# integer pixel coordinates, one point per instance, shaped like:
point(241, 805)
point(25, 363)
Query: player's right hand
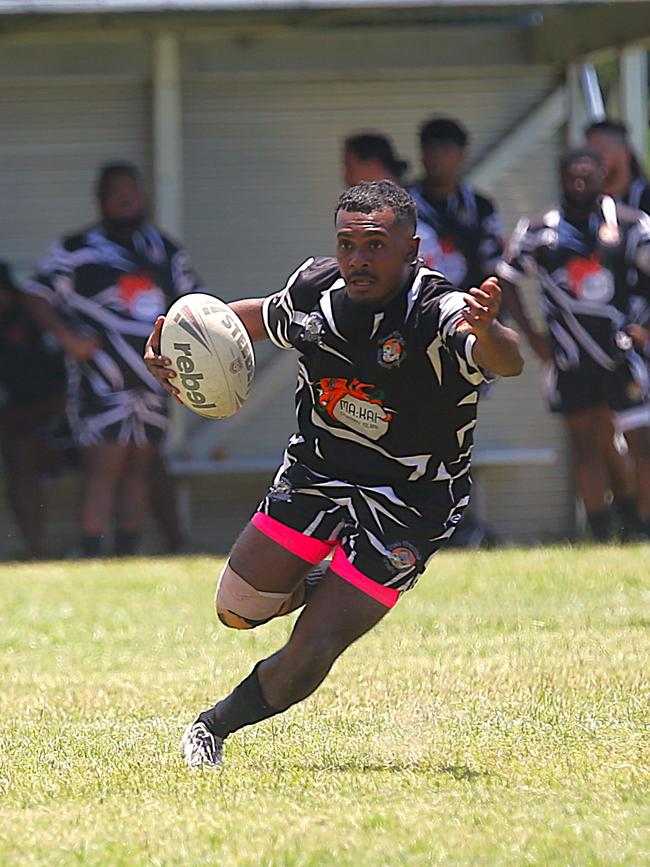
point(158, 365)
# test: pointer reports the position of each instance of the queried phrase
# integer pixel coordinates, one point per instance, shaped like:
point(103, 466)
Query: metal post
point(591, 90)
point(576, 113)
point(168, 165)
point(167, 143)
point(633, 95)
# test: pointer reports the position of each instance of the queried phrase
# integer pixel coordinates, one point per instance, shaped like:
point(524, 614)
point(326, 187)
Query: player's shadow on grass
point(458, 772)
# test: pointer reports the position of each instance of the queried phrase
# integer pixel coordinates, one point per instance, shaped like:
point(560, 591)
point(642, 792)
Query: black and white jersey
point(114, 290)
point(587, 275)
point(384, 396)
point(638, 195)
point(461, 236)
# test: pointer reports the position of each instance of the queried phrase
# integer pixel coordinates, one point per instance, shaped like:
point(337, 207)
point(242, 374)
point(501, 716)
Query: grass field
point(500, 715)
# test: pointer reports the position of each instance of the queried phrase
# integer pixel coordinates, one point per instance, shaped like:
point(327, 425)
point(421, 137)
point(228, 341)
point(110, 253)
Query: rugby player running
point(391, 359)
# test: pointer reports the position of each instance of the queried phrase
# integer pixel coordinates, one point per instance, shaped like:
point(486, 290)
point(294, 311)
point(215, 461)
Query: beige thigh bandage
point(241, 606)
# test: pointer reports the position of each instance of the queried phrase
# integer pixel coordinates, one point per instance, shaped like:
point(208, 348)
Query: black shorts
point(136, 416)
point(382, 538)
point(623, 390)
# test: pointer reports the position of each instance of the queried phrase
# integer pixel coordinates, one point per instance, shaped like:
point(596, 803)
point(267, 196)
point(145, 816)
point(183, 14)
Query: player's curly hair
point(372, 196)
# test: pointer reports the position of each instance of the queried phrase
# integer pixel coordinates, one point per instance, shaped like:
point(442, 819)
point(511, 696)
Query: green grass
point(500, 715)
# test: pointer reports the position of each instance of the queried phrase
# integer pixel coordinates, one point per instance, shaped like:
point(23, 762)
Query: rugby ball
point(211, 352)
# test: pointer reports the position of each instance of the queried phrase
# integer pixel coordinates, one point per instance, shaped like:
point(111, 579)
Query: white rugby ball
point(211, 352)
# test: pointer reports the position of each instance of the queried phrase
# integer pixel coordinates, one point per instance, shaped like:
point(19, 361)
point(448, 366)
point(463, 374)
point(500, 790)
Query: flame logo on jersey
point(442, 254)
point(141, 297)
point(356, 405)
point(588, 279)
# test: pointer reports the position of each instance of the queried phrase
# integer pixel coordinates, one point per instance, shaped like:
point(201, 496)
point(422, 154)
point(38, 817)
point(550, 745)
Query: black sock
point(91, 545)
point(600, 524)
point(244, 706)
point(643, 530)
point(125, 543)
point(628, 516)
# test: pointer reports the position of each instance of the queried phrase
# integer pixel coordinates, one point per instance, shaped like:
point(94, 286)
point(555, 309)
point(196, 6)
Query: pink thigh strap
point(388, 596)
point(311, 550)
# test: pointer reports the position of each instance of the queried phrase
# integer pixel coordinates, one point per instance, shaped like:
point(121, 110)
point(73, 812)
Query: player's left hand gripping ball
point(210, 352)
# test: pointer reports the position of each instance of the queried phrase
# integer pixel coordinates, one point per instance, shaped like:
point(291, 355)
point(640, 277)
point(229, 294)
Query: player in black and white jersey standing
point(461, 232)
point(626, 182)
point(391, 357)
point(371, 157)
point(100, 291)
point(625, 179)
point(589, 255)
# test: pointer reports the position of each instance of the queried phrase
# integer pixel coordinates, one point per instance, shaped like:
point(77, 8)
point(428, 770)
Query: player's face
point(374, 253)
point(582, 182)
point(442, 160)
point(614, 154)
point(356, 170)
point(123, 200)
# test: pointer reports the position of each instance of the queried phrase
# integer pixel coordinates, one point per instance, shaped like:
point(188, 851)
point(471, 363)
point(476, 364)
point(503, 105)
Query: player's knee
point(239, 605)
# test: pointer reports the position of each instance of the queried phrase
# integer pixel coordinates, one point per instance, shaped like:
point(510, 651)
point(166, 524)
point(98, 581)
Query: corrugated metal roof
point(24, 7)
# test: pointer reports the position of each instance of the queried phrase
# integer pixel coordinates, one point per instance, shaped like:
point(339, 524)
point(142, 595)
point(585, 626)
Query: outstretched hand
point(158, 365)
point(482, 305)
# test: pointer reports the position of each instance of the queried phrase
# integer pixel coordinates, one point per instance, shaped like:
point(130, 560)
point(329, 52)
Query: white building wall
point(262, 124)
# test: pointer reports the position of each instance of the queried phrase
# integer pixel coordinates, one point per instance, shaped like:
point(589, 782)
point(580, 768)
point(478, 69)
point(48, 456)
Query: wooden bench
point(483, 458)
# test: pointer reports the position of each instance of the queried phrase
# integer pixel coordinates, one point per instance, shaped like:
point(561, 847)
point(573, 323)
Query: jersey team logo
point(402, 556)
point(313, 330)
point(141, 297)
point(392, 351)
point(589, 280)
point(355, 404)
point(446, 258)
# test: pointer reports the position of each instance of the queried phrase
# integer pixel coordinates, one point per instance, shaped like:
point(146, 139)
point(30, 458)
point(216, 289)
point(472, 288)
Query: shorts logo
point(392, 351)
point(313, 330)
point(357, 405)
point(402, 557)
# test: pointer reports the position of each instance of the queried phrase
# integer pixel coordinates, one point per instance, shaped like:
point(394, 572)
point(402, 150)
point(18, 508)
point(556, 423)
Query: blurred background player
point(32, 398)
point(461, 232)
point(371, 157)
point(461, 235)
point(625, 179)
point(100, 291)
point(589, 254)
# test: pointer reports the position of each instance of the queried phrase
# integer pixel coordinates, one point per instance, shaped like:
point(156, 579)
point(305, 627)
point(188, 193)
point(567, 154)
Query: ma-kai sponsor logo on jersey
point(355, 404)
